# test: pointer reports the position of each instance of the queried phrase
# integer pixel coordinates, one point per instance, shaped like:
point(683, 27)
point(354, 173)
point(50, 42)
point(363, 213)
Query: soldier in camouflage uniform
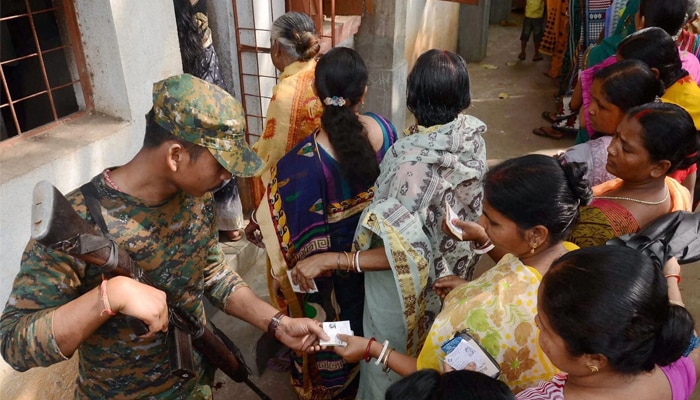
point(159, 208)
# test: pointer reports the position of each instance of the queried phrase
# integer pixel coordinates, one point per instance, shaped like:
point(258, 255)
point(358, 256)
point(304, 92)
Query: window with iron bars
point(42, 67)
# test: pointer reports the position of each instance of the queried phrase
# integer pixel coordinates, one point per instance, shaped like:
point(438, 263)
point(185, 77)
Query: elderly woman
point(399, 243)
point(294, 110)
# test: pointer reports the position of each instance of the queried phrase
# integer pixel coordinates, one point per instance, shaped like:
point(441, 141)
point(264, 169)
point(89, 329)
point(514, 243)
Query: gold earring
point(593, 368)
point(532, 249)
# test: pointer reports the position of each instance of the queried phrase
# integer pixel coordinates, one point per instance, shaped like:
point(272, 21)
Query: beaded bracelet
point(368, 357)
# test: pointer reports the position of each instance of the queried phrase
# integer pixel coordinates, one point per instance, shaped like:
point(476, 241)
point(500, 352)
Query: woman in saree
point(312, 205)
point(652, 141)
point(616, 326)
point(530, 205)
point(294, 110)
point(616, 89)
point(399, 244)
point(658, 49)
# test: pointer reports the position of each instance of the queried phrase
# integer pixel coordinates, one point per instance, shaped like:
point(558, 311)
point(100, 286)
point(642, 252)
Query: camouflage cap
point(204, 114)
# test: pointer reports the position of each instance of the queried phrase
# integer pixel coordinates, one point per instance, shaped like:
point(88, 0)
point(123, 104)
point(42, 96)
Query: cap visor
point(243, 162)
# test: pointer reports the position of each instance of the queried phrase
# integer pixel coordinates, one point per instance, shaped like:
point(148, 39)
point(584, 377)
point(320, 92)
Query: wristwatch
point(274, 323)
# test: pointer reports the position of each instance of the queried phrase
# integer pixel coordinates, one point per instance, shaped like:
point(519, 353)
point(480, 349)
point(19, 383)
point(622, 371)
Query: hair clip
point(334, 101)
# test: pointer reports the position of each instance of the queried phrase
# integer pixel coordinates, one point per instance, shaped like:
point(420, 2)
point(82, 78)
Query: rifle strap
point(93, 204)
point(89, 191)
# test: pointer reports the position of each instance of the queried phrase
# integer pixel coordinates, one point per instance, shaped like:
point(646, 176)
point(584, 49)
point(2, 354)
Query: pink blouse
point(680, 374)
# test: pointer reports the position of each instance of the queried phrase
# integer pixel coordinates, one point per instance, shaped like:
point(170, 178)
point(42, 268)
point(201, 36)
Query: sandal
point(521, 56)
point(548, 132)
point(553, 117)
point(281, 361)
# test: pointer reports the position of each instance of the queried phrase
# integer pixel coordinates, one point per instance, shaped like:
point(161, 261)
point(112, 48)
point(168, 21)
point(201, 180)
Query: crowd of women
point(355, 219)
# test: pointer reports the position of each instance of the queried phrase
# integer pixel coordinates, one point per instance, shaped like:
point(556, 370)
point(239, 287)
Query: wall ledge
point(22, 155)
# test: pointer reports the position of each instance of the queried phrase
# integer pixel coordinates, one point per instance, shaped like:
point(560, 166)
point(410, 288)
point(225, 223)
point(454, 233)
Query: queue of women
point(355, 217)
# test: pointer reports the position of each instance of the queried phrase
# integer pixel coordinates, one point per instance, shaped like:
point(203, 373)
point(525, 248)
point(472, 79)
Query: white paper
point(296, 288)
point(334, 328)
point(451, 214)
point(468, 352)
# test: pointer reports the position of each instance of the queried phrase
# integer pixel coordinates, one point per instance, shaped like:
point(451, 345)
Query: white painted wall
point(129, 44)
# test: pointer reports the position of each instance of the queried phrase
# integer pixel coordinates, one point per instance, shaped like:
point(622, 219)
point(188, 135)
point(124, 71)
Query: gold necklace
point(648, 203)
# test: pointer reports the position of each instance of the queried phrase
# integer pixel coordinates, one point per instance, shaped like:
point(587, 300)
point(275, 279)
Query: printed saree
point(419, 173)
point(555, 39)
point(604, 219)
point(311, 207)
point(499, 310)
point(294, 112)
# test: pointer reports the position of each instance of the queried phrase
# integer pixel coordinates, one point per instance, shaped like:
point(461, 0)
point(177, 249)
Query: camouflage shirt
point(175, 242)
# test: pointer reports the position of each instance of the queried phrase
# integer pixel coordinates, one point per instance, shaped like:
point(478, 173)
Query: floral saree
point(499, 310)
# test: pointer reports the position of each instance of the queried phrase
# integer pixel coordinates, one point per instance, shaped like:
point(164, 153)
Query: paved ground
point(527, 93)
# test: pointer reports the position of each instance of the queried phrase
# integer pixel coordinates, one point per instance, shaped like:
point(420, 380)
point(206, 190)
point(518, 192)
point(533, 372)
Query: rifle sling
point(93, 204)
point(238, 371)
point(91, 196)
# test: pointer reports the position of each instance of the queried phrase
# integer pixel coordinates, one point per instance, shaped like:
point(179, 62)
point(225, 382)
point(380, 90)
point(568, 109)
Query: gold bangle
point(385, 363)
point(347, 260)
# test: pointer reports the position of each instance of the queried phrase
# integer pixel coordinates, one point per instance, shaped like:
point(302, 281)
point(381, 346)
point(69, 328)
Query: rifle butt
point(53, 217)
point(216, 352)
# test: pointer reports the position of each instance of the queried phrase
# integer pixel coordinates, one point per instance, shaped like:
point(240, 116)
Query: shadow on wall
point(56, 382)
point(430, 24)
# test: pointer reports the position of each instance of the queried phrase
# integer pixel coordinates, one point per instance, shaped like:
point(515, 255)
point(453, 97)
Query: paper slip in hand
point(296, 288)
point(461, 353)
point(332, 329)
point(457, 231)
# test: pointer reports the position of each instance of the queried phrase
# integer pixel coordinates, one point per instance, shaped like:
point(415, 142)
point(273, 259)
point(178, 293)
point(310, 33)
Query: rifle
point(56, 225)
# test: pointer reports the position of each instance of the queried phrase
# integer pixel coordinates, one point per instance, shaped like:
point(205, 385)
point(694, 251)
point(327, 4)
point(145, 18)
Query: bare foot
point(232, 236)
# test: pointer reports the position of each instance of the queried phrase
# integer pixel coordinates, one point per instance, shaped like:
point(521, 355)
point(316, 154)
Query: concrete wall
point(430, 24)
point(129, 44)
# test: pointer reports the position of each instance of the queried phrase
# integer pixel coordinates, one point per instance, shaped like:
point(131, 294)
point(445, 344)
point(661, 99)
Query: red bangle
point(368, 357)
point(678, 277)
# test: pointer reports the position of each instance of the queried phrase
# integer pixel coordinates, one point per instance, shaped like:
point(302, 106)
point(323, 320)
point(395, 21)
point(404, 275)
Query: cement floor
point(527, 93)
